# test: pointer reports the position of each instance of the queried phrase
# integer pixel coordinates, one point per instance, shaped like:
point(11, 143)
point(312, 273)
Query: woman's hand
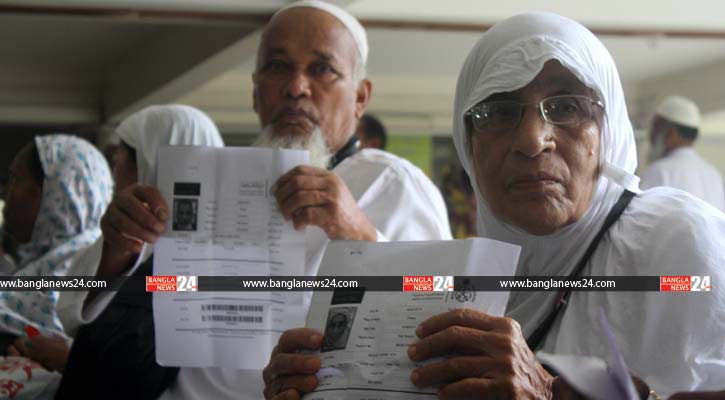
point(488, 358)
point(50, 352)
point(289, 374)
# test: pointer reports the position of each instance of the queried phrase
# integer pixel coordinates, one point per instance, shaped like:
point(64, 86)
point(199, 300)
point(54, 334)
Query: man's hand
point(288, 374)
point(489, 358)
point(135, 215)
point(50, 352)
point(315, 196)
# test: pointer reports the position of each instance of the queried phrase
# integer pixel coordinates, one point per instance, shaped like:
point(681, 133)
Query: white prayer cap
point(351, 23)
point(680, 110)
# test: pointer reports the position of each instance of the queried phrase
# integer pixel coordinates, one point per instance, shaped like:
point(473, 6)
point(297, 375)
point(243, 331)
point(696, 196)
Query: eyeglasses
point(501, 116)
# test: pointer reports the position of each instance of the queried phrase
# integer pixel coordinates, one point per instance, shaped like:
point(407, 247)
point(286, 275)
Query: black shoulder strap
point(537, 337)
point(346, 151)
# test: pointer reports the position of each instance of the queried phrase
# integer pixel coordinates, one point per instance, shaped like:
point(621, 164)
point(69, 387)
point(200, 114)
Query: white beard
point(315, 143)
point(657, 150)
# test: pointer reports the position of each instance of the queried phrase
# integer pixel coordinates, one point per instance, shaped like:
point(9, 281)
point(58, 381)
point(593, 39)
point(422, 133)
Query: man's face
point(537, 176)
point(304, 77)
point(658, 139)
point(659, 128)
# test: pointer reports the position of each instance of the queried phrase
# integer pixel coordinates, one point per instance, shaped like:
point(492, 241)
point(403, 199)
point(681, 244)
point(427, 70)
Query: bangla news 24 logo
point(685, 283)
point(427, 283)
point(170, 283)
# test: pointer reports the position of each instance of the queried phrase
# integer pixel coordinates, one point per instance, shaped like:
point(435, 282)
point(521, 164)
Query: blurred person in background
point(141, 135)
point(372, 133)
point(674, 161)
point(59, 188)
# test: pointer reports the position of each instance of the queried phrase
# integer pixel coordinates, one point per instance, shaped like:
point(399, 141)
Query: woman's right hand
point(50, 351)
point(136, 215)
point(289, 374)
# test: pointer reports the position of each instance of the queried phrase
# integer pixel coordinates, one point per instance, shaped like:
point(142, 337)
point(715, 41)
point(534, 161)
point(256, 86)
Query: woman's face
point(124, 167)
point(538, 176)
point(22, 198)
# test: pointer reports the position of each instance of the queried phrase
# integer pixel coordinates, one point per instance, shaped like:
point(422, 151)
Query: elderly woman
point(541, 126)
point(141, 134)
point(58, 190)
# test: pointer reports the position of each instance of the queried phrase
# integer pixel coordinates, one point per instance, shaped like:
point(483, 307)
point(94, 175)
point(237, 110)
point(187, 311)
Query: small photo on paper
point(337, 330)
point(185, 214)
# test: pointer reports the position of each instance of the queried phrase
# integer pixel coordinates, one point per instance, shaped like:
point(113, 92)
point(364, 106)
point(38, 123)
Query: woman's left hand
point(489, 358)
point(50, 352)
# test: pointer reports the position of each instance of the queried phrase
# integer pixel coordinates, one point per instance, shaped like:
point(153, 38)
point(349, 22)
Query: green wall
point(416, 149)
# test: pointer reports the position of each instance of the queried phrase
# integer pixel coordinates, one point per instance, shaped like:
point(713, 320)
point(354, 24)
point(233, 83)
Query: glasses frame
point(539, 105)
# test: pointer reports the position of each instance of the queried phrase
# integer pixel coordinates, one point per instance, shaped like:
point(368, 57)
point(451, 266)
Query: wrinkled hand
point(289, 374)
point(489, 358)
point(318, 197)
point(136, 215)
point(50, 352)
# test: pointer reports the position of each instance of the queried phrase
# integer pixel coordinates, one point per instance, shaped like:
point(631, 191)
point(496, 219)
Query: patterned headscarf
point(76, 191)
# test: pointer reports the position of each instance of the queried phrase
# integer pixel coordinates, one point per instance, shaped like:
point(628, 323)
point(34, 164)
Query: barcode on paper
point(232, 318)
point(232, 307)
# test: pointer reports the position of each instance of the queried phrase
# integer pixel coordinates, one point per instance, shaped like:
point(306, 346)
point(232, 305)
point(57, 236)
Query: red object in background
point(31, 331)
point(10, 388)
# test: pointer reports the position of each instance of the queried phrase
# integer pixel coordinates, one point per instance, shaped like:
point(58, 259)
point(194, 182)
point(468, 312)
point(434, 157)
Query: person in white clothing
point(540, 125)
point(674, 162)
point(309, 92)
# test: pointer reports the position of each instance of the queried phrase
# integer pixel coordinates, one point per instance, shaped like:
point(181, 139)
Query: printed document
point(367, 333)
point(225, 221)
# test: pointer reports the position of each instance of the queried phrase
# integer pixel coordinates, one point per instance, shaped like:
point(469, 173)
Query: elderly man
point(674, 162)
point(309, 91)
point(541, 126)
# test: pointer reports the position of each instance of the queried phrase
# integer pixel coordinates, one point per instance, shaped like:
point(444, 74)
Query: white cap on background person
point(680, 110)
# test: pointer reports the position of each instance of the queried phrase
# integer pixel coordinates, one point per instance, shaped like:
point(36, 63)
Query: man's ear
point(364, 91)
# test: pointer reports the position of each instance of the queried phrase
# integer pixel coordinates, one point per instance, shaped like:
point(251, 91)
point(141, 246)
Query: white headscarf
point(507, 58)
point(155, 126)
point(145, 131)
point(76, 191)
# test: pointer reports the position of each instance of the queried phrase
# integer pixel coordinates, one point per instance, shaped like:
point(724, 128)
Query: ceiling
point(95, 61)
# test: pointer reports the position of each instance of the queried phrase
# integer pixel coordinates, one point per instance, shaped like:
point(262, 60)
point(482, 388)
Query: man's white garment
point(673, 342)
point(401, 202)
point(684, 169)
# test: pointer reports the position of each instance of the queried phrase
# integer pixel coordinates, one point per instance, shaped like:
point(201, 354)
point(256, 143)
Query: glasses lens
point(567, 110)
point(495, 116)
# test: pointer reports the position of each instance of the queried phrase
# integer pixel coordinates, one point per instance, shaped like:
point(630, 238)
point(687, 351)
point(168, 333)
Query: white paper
point(224, 221)
point(364, 355)
point(592, 377)
point(618, 370)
